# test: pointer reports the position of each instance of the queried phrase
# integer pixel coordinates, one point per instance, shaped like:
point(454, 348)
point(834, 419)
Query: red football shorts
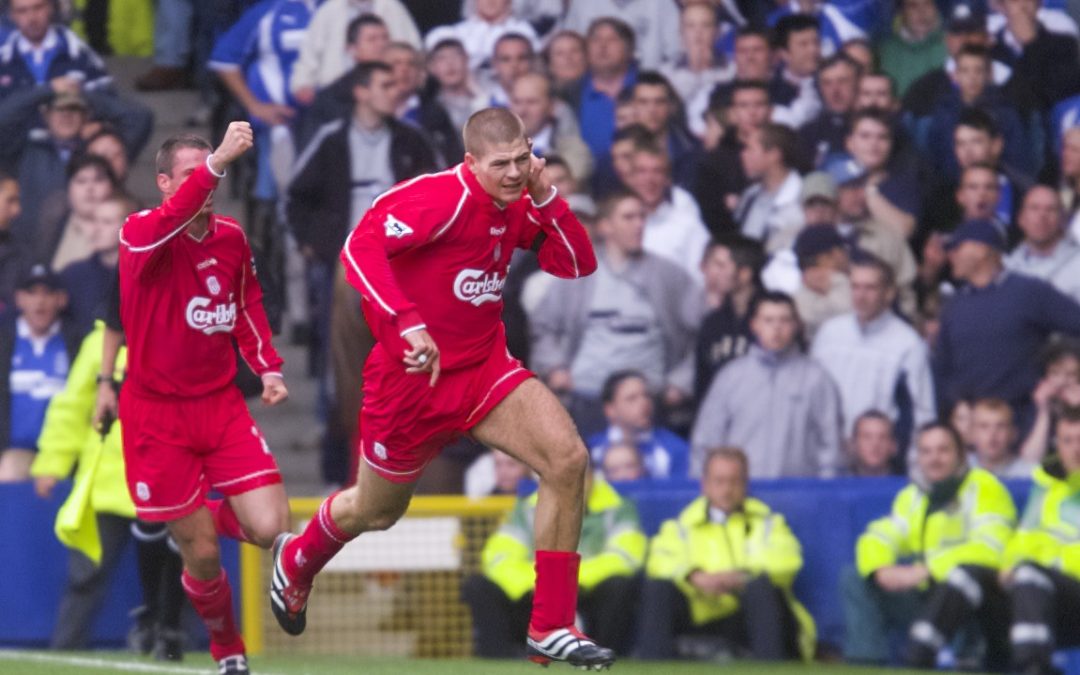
point(176, 450)
point(405, 422)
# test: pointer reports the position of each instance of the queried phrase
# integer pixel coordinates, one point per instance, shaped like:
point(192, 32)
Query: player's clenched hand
point(423, 357)
point(538, 183)
point(274, 390)
point(238, 139)
point(105, 406)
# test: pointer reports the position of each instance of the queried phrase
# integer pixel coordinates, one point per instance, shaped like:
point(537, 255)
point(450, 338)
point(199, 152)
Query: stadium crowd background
point(821, 225)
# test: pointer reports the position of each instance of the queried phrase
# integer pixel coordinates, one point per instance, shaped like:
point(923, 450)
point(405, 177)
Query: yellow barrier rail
point(415, 577)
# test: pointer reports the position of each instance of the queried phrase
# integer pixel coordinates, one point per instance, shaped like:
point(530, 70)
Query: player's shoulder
point(429, 191)
point(228, 228)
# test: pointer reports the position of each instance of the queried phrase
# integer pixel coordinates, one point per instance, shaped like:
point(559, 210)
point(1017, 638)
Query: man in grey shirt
point(776, 403)
point(1047, 251)
point(638, 311)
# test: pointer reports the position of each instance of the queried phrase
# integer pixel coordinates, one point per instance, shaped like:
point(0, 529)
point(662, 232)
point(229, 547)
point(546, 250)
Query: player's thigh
point(15, 465)
point(533, 426)
point(263, 512)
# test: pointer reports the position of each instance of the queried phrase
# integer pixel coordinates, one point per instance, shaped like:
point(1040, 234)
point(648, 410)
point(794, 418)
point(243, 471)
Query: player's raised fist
point(238, 139)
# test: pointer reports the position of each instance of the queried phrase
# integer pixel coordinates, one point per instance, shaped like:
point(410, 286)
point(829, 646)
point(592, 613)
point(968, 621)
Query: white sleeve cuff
point(211, 167)
point(273, 373)
point(413, 329)
point(551, 198)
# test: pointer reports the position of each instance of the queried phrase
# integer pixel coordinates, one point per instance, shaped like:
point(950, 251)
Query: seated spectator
point(1045, 66)
point(792, 425)
point(566, 62)
point(771, 202)
point(1057, 390)
point(877, 359)
point(732, 271)
point(10, 259)
point(994, 328)
point(797, 40)
point(628, 409)
point(824, 290)
point(873, 446)
point(1046, 252)
point(656, 26)
point(823, 136)
point(612, 552)
point(916, 45)
point(1041, 570)
point(978, 195)
point(494, 473)
point(532, 100)
point(615, 171)
point(836, 22)
point(610, 55)
point(954, 521)
point(740, 591)
point(451, 85)
point(698, 68)
point(639, 311)
point(414, 106)
point(568, 185)
point(656, 107)
point(88, 280)
point(64, 235)
point(892, 192)
point(36, 348)
point(511, 57)
point(623, 464)
point(753, 59)
point(877, 90)
point(489, 23)
point(324, 56)
point(109, 145)
point(993, 436)
point(673, 227)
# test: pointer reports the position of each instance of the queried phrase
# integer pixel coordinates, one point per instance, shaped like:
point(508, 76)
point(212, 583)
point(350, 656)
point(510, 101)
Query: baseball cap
point(965, 19)
point(40, 275)
point(844, 170)
point(817, 185)
point(815, 240)
point(980, 230)
point(68, 99)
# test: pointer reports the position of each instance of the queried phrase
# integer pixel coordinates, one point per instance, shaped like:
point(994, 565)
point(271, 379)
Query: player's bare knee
point(567, 464)
point(379, 521)
point(266, 527)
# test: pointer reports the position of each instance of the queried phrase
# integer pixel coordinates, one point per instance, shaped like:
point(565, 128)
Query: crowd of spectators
point(820, 226)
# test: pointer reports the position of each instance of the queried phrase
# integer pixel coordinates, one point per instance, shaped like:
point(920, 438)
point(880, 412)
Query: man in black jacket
point(348, 163)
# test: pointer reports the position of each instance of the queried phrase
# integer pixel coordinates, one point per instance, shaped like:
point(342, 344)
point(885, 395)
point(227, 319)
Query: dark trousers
point(764, 625)
point(1045, 610)
point(501, 624)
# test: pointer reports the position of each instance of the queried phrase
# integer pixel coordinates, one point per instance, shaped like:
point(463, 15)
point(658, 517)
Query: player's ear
point(471, 161)
point(163, 182)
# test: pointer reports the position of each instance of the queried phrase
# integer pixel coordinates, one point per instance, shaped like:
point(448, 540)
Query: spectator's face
point(819, 211)
point(972, 76)
point(40, 306)
point(562, 179)
point(103, 230)
point(750, 110)
point(875, 91)
point(1070, 154)
point(652, 107)
point(954, 42)
point(531, 101)
point(406, 71)
point(502, 169)
point(492, 10)
point(624, 229)
point(1068, 444)
point(992, 433)
point(370, 45)
point(513, 58)
point(851, 201)
point(937, 455)
point(508, 473)
point(978, 193)
point(720, 272)
point(874, 445)
point(1040, 216)
point(380, 95)
point(774, 325)
point(607, 52)
point(622, 463)
point(803, 52)
point(699, 29)
point(65, 124)
point(968, 257)
point(1025, 11)
point(753, 58)
point(450, 67)
point(973, 146)
point(631, 407)
point(86, 189)
point(1064, 370)
point(10, 206)
point(870, 144)
point(566, 59)
point(650, 178)
point(960, 419)
point(755, 158)
point(838, 87)
point(920, 17)
point(625, 114)
point(622, 158)
point(32, 18)
point(113, 151)
point(870, 294)
point(724, 484)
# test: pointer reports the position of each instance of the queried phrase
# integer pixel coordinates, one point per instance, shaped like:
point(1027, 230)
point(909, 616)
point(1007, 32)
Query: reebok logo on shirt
point(217, 319)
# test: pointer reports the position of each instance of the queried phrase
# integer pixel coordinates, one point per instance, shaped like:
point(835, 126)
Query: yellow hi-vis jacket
point(972, 528)
point(1049, 532)
point(68, 437)
point(612, 543)
point(754, 540)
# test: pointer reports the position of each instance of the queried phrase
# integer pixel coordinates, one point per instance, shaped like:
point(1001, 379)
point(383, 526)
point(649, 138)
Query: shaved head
point(491, 126)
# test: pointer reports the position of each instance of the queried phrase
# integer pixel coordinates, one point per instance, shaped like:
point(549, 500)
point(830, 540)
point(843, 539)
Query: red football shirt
point(182, 300)
point(433, 253)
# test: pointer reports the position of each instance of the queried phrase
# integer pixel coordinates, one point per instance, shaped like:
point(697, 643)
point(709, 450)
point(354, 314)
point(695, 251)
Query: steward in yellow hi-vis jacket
point(612, 552)
point(931, 565)
point(1042, 562)
point(725, 566)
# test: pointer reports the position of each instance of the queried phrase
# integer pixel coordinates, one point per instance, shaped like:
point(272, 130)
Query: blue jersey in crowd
point(60, 54)
point(39, 368)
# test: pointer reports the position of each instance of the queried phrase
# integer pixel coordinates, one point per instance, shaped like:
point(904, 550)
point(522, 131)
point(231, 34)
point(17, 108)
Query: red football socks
point(225, 521)
point(213, 601)
point(555, 599)
point(320, 541)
